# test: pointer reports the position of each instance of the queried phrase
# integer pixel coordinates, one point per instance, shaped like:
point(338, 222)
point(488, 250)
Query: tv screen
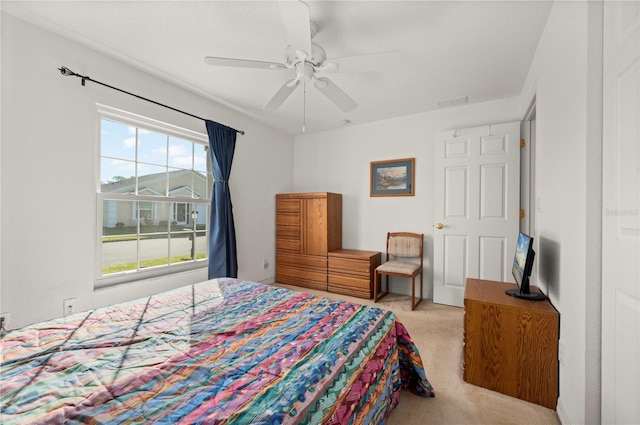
point(524, 244)
point(521, 270)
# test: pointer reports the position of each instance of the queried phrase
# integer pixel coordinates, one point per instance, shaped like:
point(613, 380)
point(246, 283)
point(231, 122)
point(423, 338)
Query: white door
point(621, 215)
point(477, 202)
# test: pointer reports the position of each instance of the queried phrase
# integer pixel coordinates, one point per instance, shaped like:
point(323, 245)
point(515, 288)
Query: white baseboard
point(562, 413)
point(267, 280)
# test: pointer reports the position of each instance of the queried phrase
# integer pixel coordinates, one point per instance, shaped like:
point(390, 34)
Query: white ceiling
point(450, 49)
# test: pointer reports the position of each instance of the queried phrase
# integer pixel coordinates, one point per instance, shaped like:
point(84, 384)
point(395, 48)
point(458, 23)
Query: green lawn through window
point(123, 267)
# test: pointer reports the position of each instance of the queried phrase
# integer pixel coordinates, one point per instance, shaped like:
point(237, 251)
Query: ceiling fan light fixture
point(304, 73)
point(292, 57)
point(321, 83)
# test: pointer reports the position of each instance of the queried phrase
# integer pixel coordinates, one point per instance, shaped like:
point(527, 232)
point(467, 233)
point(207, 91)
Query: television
point(521, 270)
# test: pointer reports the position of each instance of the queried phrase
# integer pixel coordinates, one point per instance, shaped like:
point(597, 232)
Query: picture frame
point(392, 177)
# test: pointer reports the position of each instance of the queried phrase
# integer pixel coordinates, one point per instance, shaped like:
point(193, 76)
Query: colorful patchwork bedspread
point(224, 351)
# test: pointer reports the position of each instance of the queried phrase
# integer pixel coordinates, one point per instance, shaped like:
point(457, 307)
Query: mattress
point(224, 351)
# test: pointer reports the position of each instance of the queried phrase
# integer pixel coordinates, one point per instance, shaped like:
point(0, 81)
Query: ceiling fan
point(304, 60)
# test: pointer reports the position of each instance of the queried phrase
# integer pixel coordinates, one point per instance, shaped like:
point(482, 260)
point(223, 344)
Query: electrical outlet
point(68, 306)
point(4, 321)
point(265, 263)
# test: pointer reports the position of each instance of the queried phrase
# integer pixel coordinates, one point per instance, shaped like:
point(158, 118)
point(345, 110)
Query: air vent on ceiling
point(456, 101)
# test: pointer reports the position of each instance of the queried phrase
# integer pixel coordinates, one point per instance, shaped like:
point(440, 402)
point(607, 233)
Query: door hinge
point(522, 214)
point(522, 144)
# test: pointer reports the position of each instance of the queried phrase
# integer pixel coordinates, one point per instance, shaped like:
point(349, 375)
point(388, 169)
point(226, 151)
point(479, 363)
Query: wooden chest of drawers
point(308, 226)
point(351, 272)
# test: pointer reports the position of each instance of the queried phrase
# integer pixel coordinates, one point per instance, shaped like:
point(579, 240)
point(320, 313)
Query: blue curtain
point(223, 259)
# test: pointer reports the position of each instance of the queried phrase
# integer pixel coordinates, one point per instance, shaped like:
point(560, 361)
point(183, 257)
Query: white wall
point(339, 161)
point(49, 173)
point(567, 105)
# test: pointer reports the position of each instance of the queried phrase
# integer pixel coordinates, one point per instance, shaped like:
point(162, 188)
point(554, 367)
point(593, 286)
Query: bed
point(225, 351)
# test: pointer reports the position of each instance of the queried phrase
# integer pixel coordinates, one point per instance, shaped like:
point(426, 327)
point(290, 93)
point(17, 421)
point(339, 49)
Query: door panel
point(315, 225)
point(493, 145)
point(492, 201)
point(477, 185)
point(454, 271)
point(493, 258)
point(456, 192)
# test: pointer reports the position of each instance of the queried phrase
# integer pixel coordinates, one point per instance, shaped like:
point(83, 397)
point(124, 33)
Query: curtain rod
point(67, 72)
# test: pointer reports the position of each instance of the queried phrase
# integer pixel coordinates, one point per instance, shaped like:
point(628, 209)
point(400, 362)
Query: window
point(143, 210)
point(155, 184)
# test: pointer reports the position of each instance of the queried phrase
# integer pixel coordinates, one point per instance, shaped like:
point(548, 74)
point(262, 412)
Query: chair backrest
point(405, 244)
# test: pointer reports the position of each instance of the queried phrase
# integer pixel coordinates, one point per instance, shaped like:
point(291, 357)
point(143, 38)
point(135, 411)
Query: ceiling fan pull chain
point(304, 107)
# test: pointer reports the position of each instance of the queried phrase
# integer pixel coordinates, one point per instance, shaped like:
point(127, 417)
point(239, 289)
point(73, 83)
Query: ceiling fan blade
point(243, 63)
point(281, 95)
point(335, 94)
point(295, 15)
point(367, 62)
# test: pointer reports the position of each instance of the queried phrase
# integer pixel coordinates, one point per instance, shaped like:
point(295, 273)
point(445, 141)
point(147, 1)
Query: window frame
point(127, 118)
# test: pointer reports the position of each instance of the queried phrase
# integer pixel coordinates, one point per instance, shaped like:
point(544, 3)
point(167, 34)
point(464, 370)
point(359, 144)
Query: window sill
point(152, 273)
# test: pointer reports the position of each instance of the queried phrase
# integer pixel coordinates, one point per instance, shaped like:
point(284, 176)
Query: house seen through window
point(155, 186)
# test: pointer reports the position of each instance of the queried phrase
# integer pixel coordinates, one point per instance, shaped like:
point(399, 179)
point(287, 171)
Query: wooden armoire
point(308, 227)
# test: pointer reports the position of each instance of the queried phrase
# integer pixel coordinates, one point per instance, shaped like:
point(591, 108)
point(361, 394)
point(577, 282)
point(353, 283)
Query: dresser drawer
point(350, 266)
point(286, 274)
point(287, 205)
point(354, 292)
point(288, 232)
point(287, 219)
point(289, 245)
point(349, 281)
point(297, 281)
point(303, 261)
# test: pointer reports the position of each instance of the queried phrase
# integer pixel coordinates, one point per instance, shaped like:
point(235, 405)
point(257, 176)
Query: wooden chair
point(401, 245)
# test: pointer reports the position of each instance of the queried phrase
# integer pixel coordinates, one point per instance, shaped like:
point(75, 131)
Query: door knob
point(440, 226)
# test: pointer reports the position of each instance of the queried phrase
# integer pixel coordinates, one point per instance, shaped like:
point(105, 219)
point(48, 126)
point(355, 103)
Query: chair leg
point(413, 290)
point(378, 293)
point(376, 282)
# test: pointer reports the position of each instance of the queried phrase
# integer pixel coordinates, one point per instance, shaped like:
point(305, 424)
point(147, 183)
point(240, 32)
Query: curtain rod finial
point(66, 71)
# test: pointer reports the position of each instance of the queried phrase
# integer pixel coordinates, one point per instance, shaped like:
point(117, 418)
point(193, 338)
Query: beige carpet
point(437, 332)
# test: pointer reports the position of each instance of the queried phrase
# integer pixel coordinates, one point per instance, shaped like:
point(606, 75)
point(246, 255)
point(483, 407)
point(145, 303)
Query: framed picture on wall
point(393, 178)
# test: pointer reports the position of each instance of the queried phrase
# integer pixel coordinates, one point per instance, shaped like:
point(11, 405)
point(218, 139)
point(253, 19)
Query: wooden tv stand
point(510, 344)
